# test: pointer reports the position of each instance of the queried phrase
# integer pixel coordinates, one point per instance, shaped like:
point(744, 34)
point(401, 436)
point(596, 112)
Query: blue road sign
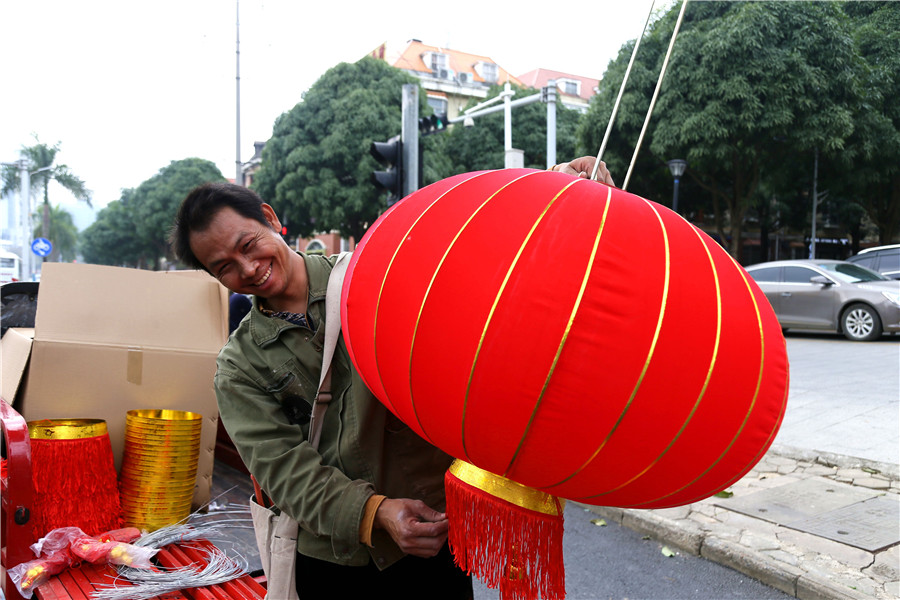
point(41, 246)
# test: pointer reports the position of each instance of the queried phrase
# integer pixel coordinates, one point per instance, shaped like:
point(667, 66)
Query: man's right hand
point(416, 528)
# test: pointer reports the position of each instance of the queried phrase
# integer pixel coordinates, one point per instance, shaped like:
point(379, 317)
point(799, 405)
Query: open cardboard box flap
point(106, 305)
point(108, 340)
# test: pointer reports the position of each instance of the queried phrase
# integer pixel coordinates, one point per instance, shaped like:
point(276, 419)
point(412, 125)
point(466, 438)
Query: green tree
point(111, 239)
point(650, 177)
point(63, 232)
point(316, 167)
point(872, 154)
point(742, 76)
point(155, 201)
point(41, 158)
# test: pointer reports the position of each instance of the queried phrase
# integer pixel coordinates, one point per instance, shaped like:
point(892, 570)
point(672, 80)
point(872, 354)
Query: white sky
point(129, 86)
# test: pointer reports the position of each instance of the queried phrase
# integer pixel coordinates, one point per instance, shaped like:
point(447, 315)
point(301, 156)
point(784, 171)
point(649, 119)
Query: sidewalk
point(782, 524)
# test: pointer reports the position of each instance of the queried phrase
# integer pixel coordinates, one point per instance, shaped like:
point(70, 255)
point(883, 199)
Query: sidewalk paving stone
point(813, 525)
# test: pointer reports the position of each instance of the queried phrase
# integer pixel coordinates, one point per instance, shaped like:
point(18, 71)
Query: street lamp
point(676, 167)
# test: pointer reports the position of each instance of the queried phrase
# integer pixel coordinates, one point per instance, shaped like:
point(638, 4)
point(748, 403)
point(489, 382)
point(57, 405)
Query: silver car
point(884, 259)
point(831, 295)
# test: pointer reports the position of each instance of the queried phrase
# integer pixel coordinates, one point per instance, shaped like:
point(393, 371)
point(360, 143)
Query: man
point(369, 500)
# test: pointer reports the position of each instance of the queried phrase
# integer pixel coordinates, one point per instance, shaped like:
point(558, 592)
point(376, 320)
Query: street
point(614, 562)
point(844, 396)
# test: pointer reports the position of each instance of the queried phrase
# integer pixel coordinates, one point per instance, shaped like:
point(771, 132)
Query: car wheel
point(860, 323)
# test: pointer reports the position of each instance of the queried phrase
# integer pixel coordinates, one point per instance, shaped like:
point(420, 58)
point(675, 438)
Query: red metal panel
point(52, 590)
point(16, 496)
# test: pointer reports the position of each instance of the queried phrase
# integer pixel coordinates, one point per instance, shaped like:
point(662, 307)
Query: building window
point(570, 87)
point(439, 61)
point(315, 247)
point(438, 104)
point(489, 72)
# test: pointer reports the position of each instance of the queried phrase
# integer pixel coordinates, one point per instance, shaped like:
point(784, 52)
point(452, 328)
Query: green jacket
point(266, 381)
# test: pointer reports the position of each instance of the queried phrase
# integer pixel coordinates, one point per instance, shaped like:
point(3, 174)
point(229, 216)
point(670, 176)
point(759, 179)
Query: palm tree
point(41, 158)
point(62, 231)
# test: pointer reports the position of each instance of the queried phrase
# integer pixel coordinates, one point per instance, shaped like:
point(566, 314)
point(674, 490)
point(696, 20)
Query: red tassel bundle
point(506, 534)
point(74, 476)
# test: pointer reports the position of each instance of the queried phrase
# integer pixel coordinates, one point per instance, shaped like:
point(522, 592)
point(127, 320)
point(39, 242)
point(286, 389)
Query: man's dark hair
point(201, 205)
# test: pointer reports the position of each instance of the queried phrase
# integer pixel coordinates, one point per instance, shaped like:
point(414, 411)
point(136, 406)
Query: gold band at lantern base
point(507, 489)
point(66, 429)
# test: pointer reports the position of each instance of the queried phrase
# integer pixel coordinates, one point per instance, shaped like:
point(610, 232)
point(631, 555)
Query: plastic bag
point(67, 546)
point(127, 535)
point(56, 540)
point(115, 553)
point(33, 573)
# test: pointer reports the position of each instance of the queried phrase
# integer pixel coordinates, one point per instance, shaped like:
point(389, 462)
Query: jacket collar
point(264, 329)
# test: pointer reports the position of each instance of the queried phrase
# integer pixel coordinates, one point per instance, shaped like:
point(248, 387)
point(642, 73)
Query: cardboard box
point(108, 340)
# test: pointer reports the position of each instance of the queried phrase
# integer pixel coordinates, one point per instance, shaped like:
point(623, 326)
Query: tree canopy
point(133, 231)
point(872, 153)
point(111, 239)
point(62, 232)
point(41, 159)
point(316, 167)
point(753, 91)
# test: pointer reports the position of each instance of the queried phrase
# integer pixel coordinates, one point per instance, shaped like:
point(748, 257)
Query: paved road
point(844, 396)
point(613, 562)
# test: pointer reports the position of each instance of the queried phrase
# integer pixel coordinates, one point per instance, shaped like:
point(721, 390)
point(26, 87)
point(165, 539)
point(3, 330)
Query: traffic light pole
point(409, 138)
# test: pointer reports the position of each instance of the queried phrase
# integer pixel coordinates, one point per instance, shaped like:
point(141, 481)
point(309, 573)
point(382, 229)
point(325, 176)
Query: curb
point(691, 538)
point(695, 541)
point(835, 460)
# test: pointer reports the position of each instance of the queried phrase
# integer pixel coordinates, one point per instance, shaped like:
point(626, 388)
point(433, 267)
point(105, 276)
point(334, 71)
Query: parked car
point(831, 295)
point(884, 259)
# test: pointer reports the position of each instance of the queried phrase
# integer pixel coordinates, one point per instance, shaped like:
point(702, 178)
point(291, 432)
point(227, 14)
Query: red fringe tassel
point(75, 485)
point(504, 545)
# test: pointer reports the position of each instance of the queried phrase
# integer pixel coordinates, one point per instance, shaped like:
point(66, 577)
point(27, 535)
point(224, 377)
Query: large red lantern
point(568, 336)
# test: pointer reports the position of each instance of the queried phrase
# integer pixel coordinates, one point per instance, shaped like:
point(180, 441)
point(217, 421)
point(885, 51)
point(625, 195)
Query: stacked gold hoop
point(159, 467)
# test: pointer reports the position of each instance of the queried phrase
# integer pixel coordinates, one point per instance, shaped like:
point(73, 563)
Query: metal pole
point(551, 123)
point(409, 137)
point(675, 197)
point(25, 190)
point(812, 243)
point(17, 223)
point(239, 173)
point(513, 104)
point(507, 119)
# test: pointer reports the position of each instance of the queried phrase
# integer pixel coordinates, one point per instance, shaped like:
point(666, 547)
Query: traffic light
point(433, 124)
point(389, 154)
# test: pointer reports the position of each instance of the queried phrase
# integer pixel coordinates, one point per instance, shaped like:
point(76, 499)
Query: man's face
point(243, 254)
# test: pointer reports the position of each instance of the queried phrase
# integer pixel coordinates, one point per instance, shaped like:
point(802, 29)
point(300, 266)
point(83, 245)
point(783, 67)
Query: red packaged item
point(33, 573)
point(113, 552)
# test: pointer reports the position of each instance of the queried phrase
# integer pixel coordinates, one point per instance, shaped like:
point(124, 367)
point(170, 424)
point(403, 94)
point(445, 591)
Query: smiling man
point(370, 499)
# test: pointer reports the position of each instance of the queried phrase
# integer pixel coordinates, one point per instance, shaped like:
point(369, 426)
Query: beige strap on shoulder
point(332, 331)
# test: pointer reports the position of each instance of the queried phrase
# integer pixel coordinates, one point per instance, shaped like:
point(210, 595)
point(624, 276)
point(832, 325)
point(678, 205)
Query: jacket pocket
point(290, 394)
